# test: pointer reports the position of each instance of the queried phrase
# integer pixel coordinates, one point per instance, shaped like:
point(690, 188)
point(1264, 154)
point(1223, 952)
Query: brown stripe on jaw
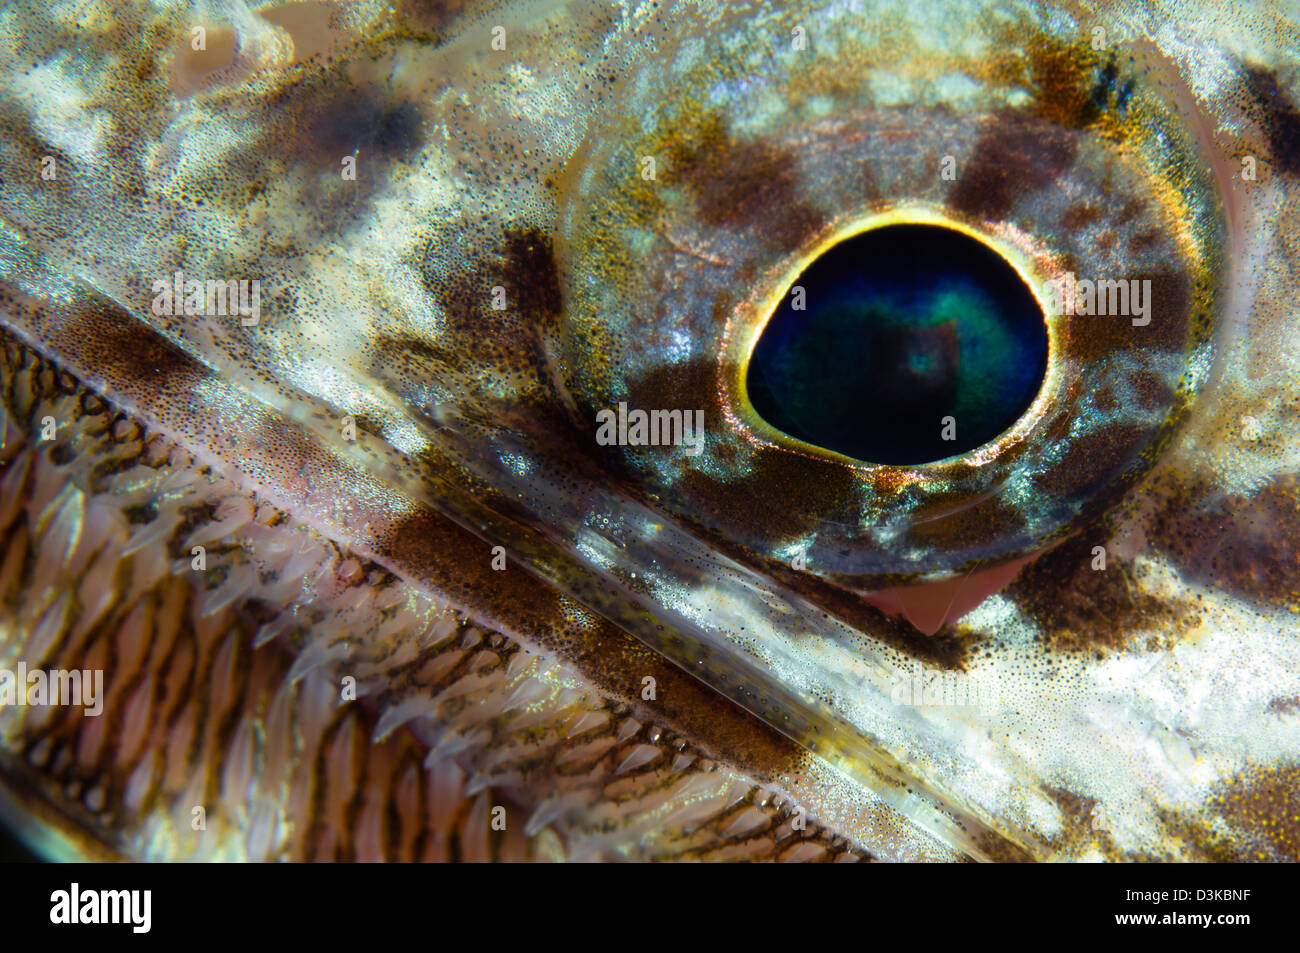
point(148, 367)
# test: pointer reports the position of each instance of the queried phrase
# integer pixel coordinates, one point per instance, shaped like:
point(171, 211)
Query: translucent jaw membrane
point(891, 337)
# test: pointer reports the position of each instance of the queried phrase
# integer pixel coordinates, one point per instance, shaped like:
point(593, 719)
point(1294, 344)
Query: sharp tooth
point(47, 632)
point(544, 814)
point(639, 756)
point(529, 690)
point(397, 715)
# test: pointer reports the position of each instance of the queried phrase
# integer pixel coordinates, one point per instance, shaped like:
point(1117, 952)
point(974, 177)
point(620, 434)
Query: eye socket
point(902, 345)
point(1072, 168)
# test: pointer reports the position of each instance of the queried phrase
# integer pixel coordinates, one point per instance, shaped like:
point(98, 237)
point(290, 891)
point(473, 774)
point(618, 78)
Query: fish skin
point(263, 410)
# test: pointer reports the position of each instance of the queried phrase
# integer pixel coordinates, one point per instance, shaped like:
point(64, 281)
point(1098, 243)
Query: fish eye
point(891, 337)
point(931, 334)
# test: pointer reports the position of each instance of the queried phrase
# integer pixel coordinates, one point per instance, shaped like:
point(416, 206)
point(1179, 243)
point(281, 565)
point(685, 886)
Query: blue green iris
point(915, 343)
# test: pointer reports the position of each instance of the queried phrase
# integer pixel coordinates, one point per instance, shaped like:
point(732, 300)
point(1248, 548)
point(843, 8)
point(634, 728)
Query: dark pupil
point(903, 326)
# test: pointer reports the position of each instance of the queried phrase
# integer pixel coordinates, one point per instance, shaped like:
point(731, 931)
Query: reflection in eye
point(904, 344)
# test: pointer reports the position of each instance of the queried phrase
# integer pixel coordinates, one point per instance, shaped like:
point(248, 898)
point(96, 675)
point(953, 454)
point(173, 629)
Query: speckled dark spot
point(1080, 216)
point(1094, 459)
point(1248, 545)
point(732, 181)
point(1263, 805)
point(1070, 92)
point(523, 264)
point(1280, 115)
point(343, 120)
point(1094, 337)
point(1014, 157)
point(1081, 609)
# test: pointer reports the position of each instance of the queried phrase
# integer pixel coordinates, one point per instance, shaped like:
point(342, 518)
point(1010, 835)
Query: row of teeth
point(238, 711)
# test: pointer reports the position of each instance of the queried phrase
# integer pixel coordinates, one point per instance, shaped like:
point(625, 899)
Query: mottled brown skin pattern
point(618, 289)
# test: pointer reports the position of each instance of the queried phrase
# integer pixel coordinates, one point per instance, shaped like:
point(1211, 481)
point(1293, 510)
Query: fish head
point(410, 411)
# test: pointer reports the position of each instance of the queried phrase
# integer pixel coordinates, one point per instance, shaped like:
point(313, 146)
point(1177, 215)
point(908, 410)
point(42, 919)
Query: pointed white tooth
point(47, 631)
point(526, 692)
point(449, 745)
point(395, 716)
point(544, 814)
point(638, 757)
